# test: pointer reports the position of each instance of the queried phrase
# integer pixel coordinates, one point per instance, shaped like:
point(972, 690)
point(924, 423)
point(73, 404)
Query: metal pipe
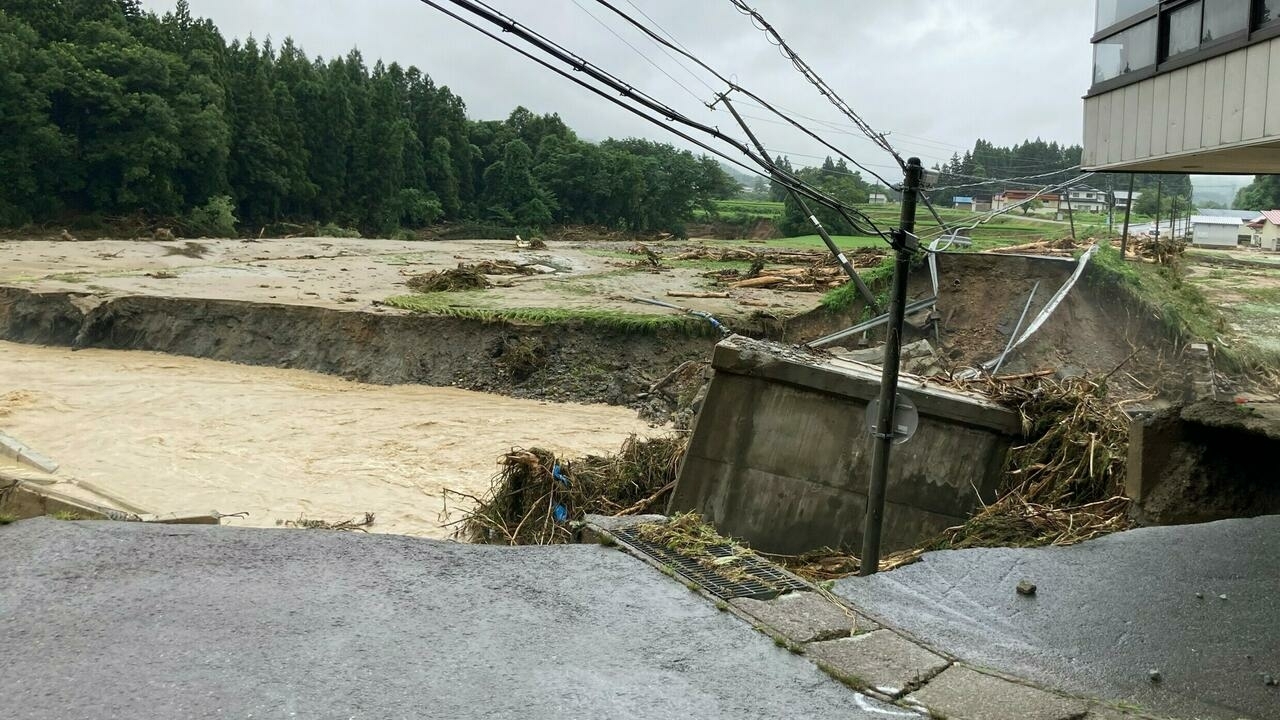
point(1014, 335)
point(875, 322)
point(904, 245)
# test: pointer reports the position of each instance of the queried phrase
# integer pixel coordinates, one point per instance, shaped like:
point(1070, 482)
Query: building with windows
point(1183, 86)
point(1019, 198)
point(1085, 199)
point(1266, 230)
point(1121, 198)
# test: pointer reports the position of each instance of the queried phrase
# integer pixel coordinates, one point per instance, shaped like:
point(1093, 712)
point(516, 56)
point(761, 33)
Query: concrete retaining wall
point(780, 455)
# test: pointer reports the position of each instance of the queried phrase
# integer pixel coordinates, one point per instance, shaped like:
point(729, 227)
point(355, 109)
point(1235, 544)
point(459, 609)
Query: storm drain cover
point(753, 577)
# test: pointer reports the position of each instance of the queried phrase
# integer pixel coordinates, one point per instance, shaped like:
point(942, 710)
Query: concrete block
point(803, 617)
point(882, 660)
point(963, 694)
point(781, 457)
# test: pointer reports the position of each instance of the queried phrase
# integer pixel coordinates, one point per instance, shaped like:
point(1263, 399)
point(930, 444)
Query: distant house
point(1210, 231)
point(878, 199)
point(981, 203)
point(1122, 198)
point(1010, 198)
point(1267, 230)
point(961, 202)
point(1086, 199)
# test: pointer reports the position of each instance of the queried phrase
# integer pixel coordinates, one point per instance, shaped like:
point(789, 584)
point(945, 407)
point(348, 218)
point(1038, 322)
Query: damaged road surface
point(103, 619)
point(1183, 621)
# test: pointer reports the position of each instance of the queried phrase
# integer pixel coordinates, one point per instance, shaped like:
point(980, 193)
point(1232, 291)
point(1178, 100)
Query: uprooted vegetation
point(535, 496)
point(460, 278)
point(306, 523)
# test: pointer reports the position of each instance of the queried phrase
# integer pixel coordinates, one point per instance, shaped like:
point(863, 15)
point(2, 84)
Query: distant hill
point(1217, 188)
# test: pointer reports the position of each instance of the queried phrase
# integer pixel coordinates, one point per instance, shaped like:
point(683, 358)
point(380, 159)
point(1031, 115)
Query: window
point(1224, 17)
point(1268, 11)
point(1124, 52)
point(1184, 29)
point(1111, 12)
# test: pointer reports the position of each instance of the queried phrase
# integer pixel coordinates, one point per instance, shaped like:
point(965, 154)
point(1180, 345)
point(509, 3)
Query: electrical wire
point(625, 90)
point(646, 58)
point(763, 104)
point(814, 79)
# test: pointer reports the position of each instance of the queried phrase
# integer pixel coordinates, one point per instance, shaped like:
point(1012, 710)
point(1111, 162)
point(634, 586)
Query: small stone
point(1222, 596)
point(1026, 587)
point(1199, 596)
point(1154, 676)
point(1269, 680)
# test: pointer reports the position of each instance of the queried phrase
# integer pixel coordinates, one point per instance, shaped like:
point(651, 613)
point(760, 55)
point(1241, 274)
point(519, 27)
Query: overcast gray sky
point(935, 73)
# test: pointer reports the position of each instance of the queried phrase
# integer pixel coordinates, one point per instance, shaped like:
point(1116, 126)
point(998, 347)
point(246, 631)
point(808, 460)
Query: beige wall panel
point(1233, 98)
point(1257, 63)
point(1160, 114)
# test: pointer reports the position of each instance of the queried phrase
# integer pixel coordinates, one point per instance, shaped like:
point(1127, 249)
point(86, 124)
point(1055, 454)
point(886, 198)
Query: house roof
point(1211, 220)
point(961, 199)
point(1272, 216)
point(1124, 194)
point(1240, 214)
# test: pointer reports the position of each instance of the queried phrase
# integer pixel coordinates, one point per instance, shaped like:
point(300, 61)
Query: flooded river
point(174, 434)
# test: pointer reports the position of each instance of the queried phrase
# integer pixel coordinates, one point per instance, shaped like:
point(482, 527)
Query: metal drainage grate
point(765, 580)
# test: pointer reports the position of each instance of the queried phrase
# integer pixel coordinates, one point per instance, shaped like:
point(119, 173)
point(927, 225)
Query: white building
point(1086, 199)
point(878, 199)
point(1122, 198)
point(1228, 232)
point(1267, 230)
point(1184, 86)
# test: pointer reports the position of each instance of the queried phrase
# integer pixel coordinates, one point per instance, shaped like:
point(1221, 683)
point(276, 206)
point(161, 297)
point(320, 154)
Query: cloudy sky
point(936, 74)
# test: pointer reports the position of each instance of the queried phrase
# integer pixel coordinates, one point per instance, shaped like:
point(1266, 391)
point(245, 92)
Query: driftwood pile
point(465, 276)
point(535, 497)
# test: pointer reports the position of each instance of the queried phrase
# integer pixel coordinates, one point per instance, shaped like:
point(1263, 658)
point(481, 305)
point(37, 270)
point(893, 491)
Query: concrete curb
point(14, 449)
point(875, 659)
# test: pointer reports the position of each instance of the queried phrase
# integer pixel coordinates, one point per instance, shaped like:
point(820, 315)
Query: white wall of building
point(1217, 235)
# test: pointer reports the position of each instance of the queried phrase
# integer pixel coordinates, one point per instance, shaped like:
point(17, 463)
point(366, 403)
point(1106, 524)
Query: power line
point(814, 79)
point(625, 90)
point(646, 58)
point(763, 104)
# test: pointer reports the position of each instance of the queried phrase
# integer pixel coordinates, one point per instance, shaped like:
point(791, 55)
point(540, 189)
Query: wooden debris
point(759, 282)
point(685, 294)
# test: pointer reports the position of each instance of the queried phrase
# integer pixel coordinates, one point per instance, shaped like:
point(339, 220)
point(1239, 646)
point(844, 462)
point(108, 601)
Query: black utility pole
point(904, 245)
point(1159, 186)
point(1128, 207)
point(1071, 215)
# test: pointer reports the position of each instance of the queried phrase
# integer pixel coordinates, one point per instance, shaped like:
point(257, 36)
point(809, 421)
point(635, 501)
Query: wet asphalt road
point(123, 620)
point(1107, 612)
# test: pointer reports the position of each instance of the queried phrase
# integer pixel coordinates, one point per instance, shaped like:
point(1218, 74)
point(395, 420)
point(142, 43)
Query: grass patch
point(7, 519)
point(440, 304)
point(68, 515)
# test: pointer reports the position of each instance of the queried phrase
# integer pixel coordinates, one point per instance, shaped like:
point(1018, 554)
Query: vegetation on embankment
point(1180, 307)
point(453, 305)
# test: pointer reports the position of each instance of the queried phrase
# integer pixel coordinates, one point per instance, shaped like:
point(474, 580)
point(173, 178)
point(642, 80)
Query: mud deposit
point(178, 434)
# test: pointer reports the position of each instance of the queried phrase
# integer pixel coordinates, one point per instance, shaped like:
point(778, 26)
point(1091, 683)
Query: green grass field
point(999, 231)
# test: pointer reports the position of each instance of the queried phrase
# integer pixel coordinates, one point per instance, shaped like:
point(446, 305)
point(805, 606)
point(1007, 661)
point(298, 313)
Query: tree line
point(110, 110)
point(978, 172)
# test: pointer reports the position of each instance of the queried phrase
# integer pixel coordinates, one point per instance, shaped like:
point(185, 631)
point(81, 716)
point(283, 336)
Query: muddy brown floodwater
point(174, 434)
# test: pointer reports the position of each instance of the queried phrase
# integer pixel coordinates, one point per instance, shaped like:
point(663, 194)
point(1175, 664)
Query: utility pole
point(1159, 187)
point(905, 244)
point(841, 258)
point(1071, 215)
point(1111, 206)
point(1128, 208)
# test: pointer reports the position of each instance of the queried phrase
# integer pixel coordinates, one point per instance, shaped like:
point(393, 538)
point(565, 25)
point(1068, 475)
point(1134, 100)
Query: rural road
point(1107, 612)
point(102, 619)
